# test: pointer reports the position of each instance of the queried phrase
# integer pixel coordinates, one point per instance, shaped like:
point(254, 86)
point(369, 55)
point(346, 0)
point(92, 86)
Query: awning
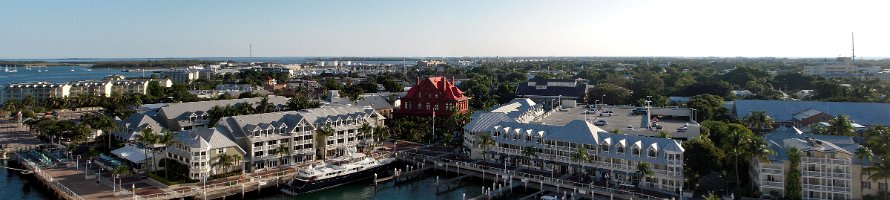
point(131, 153)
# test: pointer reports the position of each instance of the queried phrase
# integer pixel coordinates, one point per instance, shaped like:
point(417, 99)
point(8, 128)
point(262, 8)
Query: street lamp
point(603, 99)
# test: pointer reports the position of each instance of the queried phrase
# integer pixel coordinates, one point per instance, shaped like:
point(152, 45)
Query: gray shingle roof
point(181, 111)
point(206, 138)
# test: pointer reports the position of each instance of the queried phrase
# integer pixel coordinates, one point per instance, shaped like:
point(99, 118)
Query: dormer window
point(636, 151)
point(604, 147)
point(652, 153)
point(619, 148)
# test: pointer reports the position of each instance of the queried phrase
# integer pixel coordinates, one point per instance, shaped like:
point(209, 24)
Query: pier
point(506, 179)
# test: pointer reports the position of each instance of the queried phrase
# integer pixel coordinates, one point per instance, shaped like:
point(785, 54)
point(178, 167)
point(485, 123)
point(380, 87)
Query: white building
point(828, 167)
point(96, 88)
point(38, 90)
point(614, 157)
point(181, 75)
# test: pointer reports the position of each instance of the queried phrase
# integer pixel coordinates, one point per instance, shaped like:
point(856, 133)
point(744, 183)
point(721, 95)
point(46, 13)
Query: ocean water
point(57, 74)
point(16, 186)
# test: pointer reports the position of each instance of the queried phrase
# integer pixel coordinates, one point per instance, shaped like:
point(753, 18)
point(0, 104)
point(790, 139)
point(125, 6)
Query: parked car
point(607, 113)
point(639, 111)
point(601, 122)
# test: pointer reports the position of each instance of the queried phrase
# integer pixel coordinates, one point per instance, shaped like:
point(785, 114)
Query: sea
point(61, 74)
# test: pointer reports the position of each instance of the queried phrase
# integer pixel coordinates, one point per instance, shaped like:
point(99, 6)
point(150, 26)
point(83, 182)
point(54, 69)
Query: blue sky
point(108, 29)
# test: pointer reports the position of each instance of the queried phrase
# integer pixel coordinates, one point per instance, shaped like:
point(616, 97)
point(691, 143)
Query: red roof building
point(434, 94)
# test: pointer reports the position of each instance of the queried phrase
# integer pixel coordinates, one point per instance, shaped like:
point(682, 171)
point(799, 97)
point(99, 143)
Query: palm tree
point(280, 152)
point(840, 125)
point(264, 106)
point(166, 139)
point(223, 161)
point(321, 140)
point(580, 156)
point(485, 141)
point(120, 170)
point(364, 131)
point(880, 169)
point(756, 149)
point(148, 139)
point(530, 152)
point(758, 120)
point(644, 170)
point(864, 154)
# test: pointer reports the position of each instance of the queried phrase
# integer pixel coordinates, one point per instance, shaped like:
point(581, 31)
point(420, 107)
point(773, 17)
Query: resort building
point(432, 95)
point(38, 90)
point(829, 168)
point(615, 158)
point(185, 116)
point(199, 148)
point(131, 128)
point(263, 136)
point(181, 75)
point(95, 88)
point(137, 86)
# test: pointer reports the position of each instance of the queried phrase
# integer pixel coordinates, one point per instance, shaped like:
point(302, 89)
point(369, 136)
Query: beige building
point(96, 88)
point(828, 167)
point(199, 148)
point(181, 75)
point(38, 90)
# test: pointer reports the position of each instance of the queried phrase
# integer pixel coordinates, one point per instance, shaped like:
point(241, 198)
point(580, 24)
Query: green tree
point(706, 106)
point(167, 139)
point(321, 138)
point(864, 154)
point(224, 161)
point(700, 158)
point(758, 120)
point(530, 153)
point(580, 156)
point(792, 178)
point(840, 125)
point(880, 169)
point(644, 171)
point(300, 102)
point(148, 139)
point(484, 141)
point(281, 152)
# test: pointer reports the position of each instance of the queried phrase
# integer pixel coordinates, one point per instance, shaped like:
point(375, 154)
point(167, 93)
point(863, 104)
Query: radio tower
point(853, 40)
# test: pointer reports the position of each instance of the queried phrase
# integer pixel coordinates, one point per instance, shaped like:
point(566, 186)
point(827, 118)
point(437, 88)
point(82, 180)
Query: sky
point(166, 28)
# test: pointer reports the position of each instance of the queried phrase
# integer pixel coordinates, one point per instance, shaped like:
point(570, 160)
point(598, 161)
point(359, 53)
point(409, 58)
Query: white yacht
point(335, 172)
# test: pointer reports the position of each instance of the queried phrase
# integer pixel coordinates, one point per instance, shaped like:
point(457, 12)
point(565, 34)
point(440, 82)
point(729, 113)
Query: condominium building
point(95, 88)
point(38, 90)
point(262, 135)
point(133, 86)
point(199, 148)
point(522, 124)
point(181, 75)
point(828, 166)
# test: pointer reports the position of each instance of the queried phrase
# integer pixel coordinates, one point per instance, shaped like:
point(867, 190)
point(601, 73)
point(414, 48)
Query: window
point(882, 186)
point(604, 147)
point(619, 148)
point(866, 184)
point(652, 153)
point(636, 151)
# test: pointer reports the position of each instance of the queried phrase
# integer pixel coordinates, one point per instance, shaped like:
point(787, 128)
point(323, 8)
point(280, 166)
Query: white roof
point(131, 153)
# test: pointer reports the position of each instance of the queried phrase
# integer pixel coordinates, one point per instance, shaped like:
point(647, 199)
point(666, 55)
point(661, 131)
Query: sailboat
point(14, 69)
point(72, 68)
point(6, 69)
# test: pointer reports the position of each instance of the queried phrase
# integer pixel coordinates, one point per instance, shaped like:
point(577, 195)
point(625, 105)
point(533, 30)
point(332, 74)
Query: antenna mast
point(250, 58)
point(853, 40)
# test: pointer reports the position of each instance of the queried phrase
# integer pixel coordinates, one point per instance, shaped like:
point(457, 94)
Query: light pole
point(86, 170)
point(603, 99)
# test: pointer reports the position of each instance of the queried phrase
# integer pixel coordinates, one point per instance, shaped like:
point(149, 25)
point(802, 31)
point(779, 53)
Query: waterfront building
point(89, 87)
point(185, 116)
point(430, 63)
point(199, 148)
point(38, 90)
point(137, 86)
point(182, 76)
point(432, 95)
point(523, 123)
point(554, 91)
point(261, 135)
point(829, 168)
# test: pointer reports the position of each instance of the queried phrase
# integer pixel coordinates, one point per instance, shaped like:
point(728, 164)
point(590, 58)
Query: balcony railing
point(774, 184)
point(825, 160)
point(770, 171)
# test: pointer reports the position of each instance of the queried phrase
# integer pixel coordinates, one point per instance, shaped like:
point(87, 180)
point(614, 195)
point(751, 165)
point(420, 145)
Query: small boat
point(14, 69)
point(335, 172)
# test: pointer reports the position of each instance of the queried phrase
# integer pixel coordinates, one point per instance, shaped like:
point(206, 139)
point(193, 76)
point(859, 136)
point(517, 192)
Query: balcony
point(770, 171)
point(772, 184)
point(825, 161)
